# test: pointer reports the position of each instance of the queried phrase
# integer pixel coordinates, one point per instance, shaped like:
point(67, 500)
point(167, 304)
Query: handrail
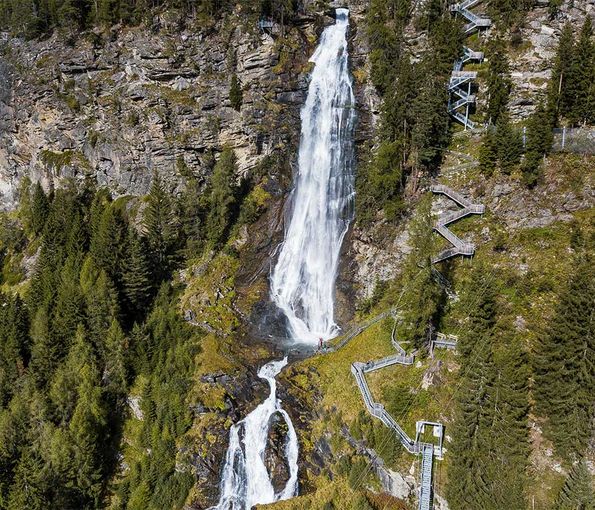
point(460, 247)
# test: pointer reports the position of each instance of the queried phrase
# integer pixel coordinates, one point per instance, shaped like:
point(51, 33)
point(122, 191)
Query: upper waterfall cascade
point(302, 283)
point(321, 202)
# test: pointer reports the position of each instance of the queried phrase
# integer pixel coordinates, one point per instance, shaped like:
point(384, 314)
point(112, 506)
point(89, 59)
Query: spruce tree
point(69, 309)
point(223, 200)
point(44, 351)
point(102, 308)
point(63, 391)
point(39, 209)
point(508, 448)
point(560, 96)
point(577, 492)
point(498, 81)
point(14, 344)
point(108, 244)
point(488, 152)
point(509, 143)
point(471, 428)
point(137, 276)
point(87, 429)
point(159, 228)
point(420, 301)
point(539, 142)
point(564, 364)
point(582, 110)
point(28, 490)
point(235, 93)
point(24, 21)
point(115, 371)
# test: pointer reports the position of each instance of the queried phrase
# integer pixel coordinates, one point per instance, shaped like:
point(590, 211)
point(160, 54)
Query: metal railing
point(576, 140)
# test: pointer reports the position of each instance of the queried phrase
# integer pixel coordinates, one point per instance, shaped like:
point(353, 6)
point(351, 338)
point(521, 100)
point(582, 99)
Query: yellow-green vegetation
point(178, 97)
point(59, 160)
point(340, 404)
point(211, 292)
point(360, 75)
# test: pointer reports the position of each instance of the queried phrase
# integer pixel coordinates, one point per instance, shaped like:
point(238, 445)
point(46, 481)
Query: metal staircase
point(425, 477)
point(474, 20)
point(460, 247)
point(460, 82)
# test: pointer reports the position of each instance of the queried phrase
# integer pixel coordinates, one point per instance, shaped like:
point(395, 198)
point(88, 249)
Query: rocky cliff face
point(119, 105)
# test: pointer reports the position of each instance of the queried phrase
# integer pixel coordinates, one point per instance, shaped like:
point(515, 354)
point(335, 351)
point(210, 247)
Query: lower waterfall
point(303, 281)
point(246, 480)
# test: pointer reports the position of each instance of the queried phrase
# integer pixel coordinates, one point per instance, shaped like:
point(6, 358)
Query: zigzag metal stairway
point(460, 82)
point(460, 247)
point(460, 97)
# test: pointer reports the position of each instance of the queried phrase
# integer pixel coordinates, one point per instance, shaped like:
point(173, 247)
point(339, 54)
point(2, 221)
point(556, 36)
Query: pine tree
point(87, 431)
point(39, 209)
point(223, 197)
point(235, 93)
point(159, 228)
point(560, 96)
point(429, 135)
point(193, 207)
point(44, 355)
point(577, 492)
point(505, 476)
point(68, 15)
point(509, 143)
point(108, 244)
point(14, 344)
point(499, 82)
point(115, 372)
point(488, 152)
point(102, 309)
point(13, 429)
point(420, 301)
point(137, 276)
point(69, 311)
point(24, 21)
point(583, 75)
point(564, 364)
point(539, 143)
point(63, 391)
point(474, 481)
point(28, 490)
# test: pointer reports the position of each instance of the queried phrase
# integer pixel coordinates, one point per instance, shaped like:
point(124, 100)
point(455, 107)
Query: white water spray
point(303, 281)
point(246, 480)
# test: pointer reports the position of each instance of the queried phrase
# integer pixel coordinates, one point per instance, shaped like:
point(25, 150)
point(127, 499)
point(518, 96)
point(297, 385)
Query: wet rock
point(275, 461)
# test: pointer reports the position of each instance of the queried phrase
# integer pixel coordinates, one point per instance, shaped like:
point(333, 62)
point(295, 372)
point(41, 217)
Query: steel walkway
point(377, 410)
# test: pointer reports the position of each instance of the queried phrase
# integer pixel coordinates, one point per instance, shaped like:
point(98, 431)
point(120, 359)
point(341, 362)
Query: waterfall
point(303, 281)
point(246, 481)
